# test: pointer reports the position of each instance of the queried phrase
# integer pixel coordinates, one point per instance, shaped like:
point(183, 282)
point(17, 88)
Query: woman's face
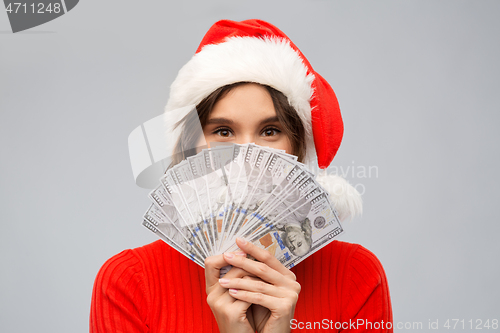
point(246, 115)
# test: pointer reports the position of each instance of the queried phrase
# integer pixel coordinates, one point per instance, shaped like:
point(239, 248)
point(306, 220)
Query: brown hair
point(289, 119)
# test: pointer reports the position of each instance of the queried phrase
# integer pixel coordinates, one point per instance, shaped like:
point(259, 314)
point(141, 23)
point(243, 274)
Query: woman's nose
point(245, 138)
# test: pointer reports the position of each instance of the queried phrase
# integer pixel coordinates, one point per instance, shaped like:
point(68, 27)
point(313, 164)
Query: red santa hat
point(257, 51)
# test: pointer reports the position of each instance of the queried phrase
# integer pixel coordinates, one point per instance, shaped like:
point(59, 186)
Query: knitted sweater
point(154, 288)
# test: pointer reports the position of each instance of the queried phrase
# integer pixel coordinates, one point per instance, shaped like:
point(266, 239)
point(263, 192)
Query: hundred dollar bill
point(216, 188)
point(297, 180)
point(200, 180)
point(324, 224)
point(258, 193)
point(216, 183)
point(274, 183)
point(289, 182)
point(258, 184)
point(283, 174)
point(287, 197)
point(171, 182)
point(299, 233)
point(203, 167)
point(239, 189)
point(232, 171)
point(160, 224)
point(164, 201)
point(294, 201)
point(224, 165)
point(191, 199)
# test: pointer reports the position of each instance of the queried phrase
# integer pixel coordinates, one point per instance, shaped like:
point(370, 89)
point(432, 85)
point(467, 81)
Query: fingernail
point(242, 241)
point(228, 255)
point(243, 254)
point(233, 291)
point(223, 281)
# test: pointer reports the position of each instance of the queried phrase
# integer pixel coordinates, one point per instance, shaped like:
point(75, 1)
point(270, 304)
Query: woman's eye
point(223, 132)
point(270, 131)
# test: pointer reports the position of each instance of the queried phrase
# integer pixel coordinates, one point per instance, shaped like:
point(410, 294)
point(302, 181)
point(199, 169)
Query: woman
point(250, 84)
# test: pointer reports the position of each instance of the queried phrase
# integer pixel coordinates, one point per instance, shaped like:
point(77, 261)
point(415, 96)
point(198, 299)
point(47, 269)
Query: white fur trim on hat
point(269, 60)
point(345, 197)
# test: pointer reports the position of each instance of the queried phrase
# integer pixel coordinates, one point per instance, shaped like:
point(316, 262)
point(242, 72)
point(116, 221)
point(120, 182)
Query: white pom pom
point(344, 196)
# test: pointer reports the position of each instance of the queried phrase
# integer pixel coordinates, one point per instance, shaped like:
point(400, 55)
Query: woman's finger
point(217, 296)
point(253, 285)
point(264, 256)
point(277, 305)
point(213, 265)
point(256, 268)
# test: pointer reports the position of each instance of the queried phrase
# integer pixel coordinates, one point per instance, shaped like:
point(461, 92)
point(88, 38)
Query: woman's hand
point(232, 315)
point(272, 286)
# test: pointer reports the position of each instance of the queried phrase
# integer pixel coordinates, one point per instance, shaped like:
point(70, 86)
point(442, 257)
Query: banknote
point(280, 174)
point(200, 185)
point(256, 185)
point(192, 200)
point(157, 222)
point(290, 195)
point(226, 164)
point(297, 234)
point(262, 194)
point(164, 202)
point(245, 180)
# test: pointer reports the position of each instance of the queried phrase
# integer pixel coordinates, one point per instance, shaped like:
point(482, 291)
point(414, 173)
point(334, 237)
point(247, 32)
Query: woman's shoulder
point(149, 263)
point(347, 262)
point(122, 287)
point(351, 251)
point(356, 258)
point(363, 284)
point(357, 254)
point(362, 271)
point(136, 258)
point(346, 253)
point(130, 262)
point(346, 276)
point(132, 270)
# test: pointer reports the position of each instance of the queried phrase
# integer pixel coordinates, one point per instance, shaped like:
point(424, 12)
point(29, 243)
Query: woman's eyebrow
point(219, 121)
point(272, 119)
point(227, 121)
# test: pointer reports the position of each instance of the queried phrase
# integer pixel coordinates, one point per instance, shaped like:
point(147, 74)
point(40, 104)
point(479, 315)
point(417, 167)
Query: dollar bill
point(258, 193)
point(200, 182)
point(281, 174)
point(288, 196)
point(301, 232)
point(186, 189)
point(160, 224)
point(226, 166)
point(257, 184)
point(165, 202)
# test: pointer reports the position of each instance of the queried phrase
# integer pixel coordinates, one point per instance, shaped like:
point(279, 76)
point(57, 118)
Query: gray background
point(418, 86)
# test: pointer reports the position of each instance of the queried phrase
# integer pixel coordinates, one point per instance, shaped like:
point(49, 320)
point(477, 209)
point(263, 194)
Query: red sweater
point(154, 288)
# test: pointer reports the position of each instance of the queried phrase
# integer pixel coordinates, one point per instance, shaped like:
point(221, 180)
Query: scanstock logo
point(28, 14)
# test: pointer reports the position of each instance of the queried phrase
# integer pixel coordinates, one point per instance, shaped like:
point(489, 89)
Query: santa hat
point(256, 51)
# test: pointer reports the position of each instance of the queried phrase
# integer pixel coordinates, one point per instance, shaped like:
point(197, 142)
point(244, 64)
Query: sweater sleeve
point(367, 299)
point(119, 299)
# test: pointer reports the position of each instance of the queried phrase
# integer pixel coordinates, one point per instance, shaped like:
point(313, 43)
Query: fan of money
point(261, 194)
